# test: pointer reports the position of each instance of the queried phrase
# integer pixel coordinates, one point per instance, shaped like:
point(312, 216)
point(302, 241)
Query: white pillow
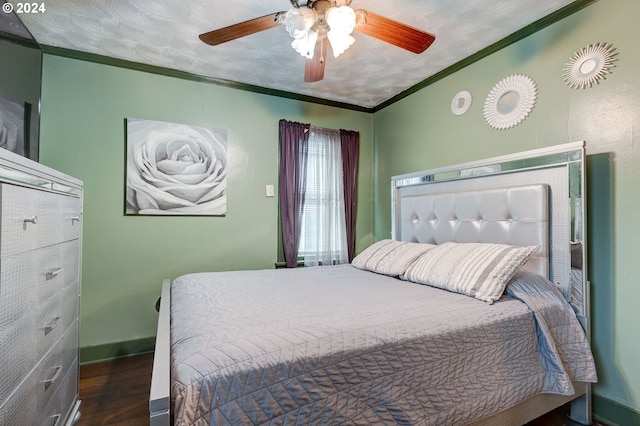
point(390, 257)
point(480, 270)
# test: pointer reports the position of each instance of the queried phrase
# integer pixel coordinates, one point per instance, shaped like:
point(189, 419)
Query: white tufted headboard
point(516, 216)
point(534, 197)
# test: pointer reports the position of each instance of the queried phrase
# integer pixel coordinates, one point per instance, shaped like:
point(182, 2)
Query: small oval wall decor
point(590, 65)
point(510, 101)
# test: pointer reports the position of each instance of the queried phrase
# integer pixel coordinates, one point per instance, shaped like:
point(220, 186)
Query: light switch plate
point(270, 191)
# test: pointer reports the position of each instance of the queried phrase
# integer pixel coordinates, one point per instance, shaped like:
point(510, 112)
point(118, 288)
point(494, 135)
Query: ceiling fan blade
point(314, 67)
point(394, 32)
point(241, 29)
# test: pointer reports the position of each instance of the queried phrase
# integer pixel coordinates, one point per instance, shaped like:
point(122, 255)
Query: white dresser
point(40, 266)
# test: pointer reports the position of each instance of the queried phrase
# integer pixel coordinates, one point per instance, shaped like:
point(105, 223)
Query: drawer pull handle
point(53, 273)
point(55, 419)
point(56, 373)
point(51, 325)
point(32, 219)
point(75, 219)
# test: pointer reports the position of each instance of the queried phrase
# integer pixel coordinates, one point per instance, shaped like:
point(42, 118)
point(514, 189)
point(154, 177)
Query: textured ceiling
point(165, 33)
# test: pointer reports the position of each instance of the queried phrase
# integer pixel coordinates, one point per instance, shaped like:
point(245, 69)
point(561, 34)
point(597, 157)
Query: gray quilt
point(338, 345)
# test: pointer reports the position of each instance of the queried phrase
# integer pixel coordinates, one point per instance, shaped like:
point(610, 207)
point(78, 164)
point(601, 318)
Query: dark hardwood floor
point(117, 392)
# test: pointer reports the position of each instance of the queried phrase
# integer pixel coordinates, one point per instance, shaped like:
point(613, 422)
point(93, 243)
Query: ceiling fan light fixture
point(306, 45)
point(341, 21)
point(339, 42)
point(321, 23)
point(298, 23)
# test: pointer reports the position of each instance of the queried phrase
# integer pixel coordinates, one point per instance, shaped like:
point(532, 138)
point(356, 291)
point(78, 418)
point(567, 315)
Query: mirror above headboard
point(21, 71)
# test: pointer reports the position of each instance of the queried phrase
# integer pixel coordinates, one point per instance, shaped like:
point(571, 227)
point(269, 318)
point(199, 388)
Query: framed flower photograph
point(13, 130)
point(175, 169)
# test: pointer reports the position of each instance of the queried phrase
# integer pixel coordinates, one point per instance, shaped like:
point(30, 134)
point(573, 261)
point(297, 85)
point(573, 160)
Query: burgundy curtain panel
point(350, 144)
point(293, 167)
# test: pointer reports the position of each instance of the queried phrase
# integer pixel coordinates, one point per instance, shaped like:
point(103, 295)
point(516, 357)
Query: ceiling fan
point(324, 22)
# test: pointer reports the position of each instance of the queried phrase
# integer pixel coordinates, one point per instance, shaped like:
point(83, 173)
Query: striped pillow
point(390, 257)
point(479, 270)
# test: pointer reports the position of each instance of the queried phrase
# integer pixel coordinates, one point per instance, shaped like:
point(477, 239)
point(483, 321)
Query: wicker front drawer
point(26, 405)
point(32, 219)
point(61, 402)
point(34, 316)
point(17, 357)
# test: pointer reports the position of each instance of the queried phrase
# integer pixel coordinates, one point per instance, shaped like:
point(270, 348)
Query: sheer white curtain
point(323, 239)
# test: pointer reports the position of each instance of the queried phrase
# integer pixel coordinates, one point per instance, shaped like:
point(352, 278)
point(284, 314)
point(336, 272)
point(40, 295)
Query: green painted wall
point(125, 258)
point(419, 132)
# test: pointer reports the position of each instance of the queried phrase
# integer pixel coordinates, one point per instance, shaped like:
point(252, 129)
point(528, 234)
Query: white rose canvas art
point(175, 169)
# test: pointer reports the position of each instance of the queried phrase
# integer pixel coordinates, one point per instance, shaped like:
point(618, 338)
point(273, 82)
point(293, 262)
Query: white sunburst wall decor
point(590, 65)
point(510, 101)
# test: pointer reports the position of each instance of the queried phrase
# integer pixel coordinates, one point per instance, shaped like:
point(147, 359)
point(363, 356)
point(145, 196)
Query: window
point(330, 158)
point(323, 239)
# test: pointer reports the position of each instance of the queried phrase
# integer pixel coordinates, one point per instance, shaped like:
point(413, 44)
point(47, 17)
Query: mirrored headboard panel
point(560, 168)
point(21, 71)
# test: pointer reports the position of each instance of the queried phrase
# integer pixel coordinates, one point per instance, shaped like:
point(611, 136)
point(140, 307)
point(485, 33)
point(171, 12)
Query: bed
point(370, 343)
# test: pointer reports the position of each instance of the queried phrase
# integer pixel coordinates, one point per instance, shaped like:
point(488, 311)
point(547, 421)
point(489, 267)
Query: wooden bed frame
point(560, 167)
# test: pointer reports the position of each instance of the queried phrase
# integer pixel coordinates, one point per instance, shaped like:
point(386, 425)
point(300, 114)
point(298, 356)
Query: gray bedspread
point(338, 345)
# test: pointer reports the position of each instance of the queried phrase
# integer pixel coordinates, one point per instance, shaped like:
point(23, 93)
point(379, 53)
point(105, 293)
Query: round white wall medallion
point(589, 65)
point(510, 101)
point(461, 102)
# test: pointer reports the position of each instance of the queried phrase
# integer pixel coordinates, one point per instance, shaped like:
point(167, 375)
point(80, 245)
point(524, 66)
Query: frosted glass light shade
point(298, 23)
point(306, 45)
point(341, 21)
